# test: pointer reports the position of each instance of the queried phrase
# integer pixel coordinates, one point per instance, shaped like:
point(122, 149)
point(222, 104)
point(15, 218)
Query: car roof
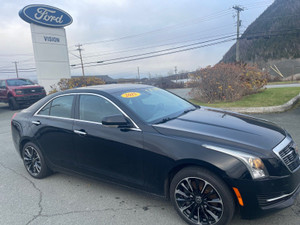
point(111, 88)
point(20, 78)
point(100, 89)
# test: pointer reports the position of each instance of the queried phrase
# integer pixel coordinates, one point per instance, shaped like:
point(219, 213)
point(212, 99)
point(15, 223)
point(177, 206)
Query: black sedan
point(208, 162)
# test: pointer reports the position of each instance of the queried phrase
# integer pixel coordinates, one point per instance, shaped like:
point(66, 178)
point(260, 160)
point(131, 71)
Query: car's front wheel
point(34, 161)
point(200, 197)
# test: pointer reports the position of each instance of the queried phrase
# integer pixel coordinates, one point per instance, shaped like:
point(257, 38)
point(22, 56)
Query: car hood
point(225, 128)
point(25, 86)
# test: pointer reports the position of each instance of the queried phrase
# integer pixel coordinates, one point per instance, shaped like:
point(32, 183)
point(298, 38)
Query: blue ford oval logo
point(45, 15)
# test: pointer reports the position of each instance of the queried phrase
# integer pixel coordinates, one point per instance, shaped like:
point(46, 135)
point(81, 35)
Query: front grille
point(290, 157)
point(32, 90)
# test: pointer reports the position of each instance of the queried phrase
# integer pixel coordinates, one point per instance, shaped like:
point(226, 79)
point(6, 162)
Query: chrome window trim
point(55, 117)
point(98, 123)
point(136, 128)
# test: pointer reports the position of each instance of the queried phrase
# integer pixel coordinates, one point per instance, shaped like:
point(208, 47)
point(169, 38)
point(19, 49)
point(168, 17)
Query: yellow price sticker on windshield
point(130, 95)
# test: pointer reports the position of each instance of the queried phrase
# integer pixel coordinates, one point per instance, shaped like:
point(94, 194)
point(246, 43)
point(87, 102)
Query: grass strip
point(267, 97)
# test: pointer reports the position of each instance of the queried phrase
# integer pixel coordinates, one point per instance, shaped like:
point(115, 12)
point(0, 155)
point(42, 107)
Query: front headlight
point(254, 164)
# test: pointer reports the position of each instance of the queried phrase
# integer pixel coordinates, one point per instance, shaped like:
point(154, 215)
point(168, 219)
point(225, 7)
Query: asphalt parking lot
point(70, 199)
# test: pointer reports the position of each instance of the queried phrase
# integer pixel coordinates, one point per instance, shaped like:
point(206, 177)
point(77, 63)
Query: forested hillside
point(274, 35)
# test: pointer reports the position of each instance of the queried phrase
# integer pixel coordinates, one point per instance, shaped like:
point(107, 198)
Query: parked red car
point(17, 92)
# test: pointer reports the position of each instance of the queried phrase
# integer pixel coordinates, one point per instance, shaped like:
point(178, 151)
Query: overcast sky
point(110, 29)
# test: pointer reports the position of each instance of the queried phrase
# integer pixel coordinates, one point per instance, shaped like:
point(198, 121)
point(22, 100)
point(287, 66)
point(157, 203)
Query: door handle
point(36, 122)
point(80, 132)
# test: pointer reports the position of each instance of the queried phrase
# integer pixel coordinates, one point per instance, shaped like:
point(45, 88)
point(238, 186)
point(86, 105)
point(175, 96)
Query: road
point(70, 199)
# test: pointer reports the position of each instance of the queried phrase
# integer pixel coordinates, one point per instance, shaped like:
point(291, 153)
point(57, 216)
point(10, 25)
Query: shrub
point(69, 83)
point(226, 82)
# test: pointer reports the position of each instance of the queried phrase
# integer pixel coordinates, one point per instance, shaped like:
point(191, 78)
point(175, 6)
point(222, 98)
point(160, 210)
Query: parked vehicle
point(208, 162)
point(20, 92)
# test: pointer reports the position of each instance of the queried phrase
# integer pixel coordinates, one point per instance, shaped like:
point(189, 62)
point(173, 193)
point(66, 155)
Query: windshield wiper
point(186, 111)
point(166, 119)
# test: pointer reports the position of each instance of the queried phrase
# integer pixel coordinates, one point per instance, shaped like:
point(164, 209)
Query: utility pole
point(238, 24)
point(17, 72)
point(175, 72)
point(138, 71)
point(80, 56)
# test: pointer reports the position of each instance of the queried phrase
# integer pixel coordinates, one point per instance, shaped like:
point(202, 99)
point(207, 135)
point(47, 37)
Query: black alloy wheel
point(200, 197)
point(34, 161)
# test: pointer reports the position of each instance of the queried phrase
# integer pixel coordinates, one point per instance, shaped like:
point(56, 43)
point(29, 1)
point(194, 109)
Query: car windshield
point(19, 82)
point(154, 105)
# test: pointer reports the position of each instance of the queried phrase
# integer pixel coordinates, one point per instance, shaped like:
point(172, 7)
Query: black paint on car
point(206, 161)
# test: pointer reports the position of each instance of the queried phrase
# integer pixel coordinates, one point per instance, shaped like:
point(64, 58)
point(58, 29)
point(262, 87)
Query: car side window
point(94, 108)
point(59, 107)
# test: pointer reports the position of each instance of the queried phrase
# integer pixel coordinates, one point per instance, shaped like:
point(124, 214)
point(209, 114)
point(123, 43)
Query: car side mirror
point(115, 121)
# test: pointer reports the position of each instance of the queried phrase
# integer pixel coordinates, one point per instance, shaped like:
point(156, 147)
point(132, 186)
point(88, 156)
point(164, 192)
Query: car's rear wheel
point(34, 161)
point(201, 197)
point(13, 105)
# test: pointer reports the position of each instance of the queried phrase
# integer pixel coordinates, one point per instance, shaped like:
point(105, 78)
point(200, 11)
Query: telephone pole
point(80, 56)
point(175, 72)
point(16, 66)
point(238, 24)
point(138, 71)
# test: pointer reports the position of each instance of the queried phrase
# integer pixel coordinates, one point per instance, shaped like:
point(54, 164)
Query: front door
point(106, 151)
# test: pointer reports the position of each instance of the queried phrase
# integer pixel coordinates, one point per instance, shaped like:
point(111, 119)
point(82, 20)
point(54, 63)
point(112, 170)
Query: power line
point(26, 71)
point(154, 46)
point(253, 35)
point(164, 50)
point(176, 26)
point(170, 52)
point(162, 54)
point(182, 24)
point(270, 33)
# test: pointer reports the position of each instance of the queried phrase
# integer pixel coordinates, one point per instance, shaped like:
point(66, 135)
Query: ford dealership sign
point(45, 15)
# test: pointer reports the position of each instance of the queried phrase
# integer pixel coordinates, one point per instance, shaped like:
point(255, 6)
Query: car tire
point(201, 197)
point(13, 105)
point(34, 161)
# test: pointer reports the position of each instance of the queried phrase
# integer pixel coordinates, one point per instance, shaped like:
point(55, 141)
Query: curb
point(270, 109)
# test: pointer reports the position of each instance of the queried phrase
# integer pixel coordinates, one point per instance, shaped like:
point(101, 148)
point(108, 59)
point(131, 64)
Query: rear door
point(107, 151)
point(52, 126)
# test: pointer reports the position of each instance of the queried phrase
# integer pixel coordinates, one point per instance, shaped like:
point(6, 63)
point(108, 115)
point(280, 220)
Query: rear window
point(59, 107)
